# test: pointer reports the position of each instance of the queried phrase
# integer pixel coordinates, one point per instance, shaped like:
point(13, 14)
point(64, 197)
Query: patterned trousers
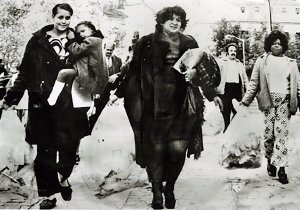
point(276, 132)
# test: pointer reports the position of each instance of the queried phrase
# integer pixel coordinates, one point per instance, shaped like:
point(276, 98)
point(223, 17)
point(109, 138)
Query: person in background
point(275, 81)
point(233, 84)
point(114, 69)
point(54, 129)
point(155, 102)
point(3, 78)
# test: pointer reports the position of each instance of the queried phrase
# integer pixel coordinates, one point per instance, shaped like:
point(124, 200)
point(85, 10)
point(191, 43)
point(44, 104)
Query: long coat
point(154, 97)
point(38, 72)
point(259, 85)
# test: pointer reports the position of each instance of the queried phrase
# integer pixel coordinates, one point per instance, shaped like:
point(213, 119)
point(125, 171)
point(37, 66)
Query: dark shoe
point(66, 192)
point(271, 169)
point(282, 176)
point(170, 200)
point(48, 204)
point(157, 202)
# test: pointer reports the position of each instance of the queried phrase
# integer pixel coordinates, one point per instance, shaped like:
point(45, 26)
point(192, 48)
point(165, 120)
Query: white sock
point(57, 88)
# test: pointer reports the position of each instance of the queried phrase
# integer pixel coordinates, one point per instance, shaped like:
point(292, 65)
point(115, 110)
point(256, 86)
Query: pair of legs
point(276, 121)
point(166, 166)
point(63, 77)
point(52, 175)
point(232, 91)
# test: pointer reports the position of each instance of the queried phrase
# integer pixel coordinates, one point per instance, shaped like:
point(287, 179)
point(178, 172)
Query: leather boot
point(157, 202)
point(271, 168)
point(170, 200)
point(283, 179)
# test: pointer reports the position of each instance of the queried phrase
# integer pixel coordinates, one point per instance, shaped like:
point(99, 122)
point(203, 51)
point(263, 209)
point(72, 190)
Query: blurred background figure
point(233, 83)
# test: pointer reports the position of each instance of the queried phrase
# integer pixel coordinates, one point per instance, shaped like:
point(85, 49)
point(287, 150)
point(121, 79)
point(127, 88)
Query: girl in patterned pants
point(275, 82)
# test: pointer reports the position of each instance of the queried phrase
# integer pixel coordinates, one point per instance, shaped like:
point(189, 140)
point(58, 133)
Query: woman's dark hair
point(96, 33)
point(63, 6)
point(167, 14)
point(272, 37)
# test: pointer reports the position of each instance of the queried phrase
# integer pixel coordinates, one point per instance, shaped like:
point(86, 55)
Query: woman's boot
point(157, 202)
point(283, 179)
point(271, 168)
point(168, 190)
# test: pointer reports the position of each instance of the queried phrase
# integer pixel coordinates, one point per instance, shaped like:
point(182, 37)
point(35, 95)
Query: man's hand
point(70, 34)
point(219, 103)
point(112, 78)
point(189, 74)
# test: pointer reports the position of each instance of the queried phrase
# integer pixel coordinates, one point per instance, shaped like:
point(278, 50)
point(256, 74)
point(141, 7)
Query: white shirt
point(278, 74)
point(232, 74)
point(108, 61)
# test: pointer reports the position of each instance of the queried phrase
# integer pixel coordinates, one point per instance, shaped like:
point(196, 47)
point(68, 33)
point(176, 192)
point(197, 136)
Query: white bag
point(213, 120)
point(242, 138)
point(14, 150)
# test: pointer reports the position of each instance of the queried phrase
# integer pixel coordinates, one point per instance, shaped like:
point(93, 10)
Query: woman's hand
point(112, 99)
point(189, 74)
point(218, 102)
point(3, 105)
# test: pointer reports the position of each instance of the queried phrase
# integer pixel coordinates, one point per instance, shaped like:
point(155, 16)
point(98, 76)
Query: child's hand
point(70, 35)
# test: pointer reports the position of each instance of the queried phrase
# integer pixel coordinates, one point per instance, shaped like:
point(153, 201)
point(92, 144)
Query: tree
point(11, 29)
point(221, 38)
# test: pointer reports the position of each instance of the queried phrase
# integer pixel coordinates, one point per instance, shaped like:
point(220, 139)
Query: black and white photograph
point(150, 104)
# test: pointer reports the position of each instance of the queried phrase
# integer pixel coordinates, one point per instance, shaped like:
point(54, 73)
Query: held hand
point(112, 99)
point(112, 78)
point(241, 109)
point(3, 105)
point(219, 103)
point(70, 35)
point(189, 74)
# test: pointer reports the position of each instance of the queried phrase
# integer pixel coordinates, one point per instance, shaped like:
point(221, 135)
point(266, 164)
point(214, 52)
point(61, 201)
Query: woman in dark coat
point(53, 129)
point(155, 99)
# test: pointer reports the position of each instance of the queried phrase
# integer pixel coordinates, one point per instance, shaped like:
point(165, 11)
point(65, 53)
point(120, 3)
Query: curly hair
point(167, 14)
point(272, 37)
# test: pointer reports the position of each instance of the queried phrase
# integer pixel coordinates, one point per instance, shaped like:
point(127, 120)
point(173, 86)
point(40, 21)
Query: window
point(297, 11)
point(256, 9)
point(243, 9)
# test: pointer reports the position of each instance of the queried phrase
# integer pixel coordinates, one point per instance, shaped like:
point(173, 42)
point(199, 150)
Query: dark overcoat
point(154, 98)
point(38, 71)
